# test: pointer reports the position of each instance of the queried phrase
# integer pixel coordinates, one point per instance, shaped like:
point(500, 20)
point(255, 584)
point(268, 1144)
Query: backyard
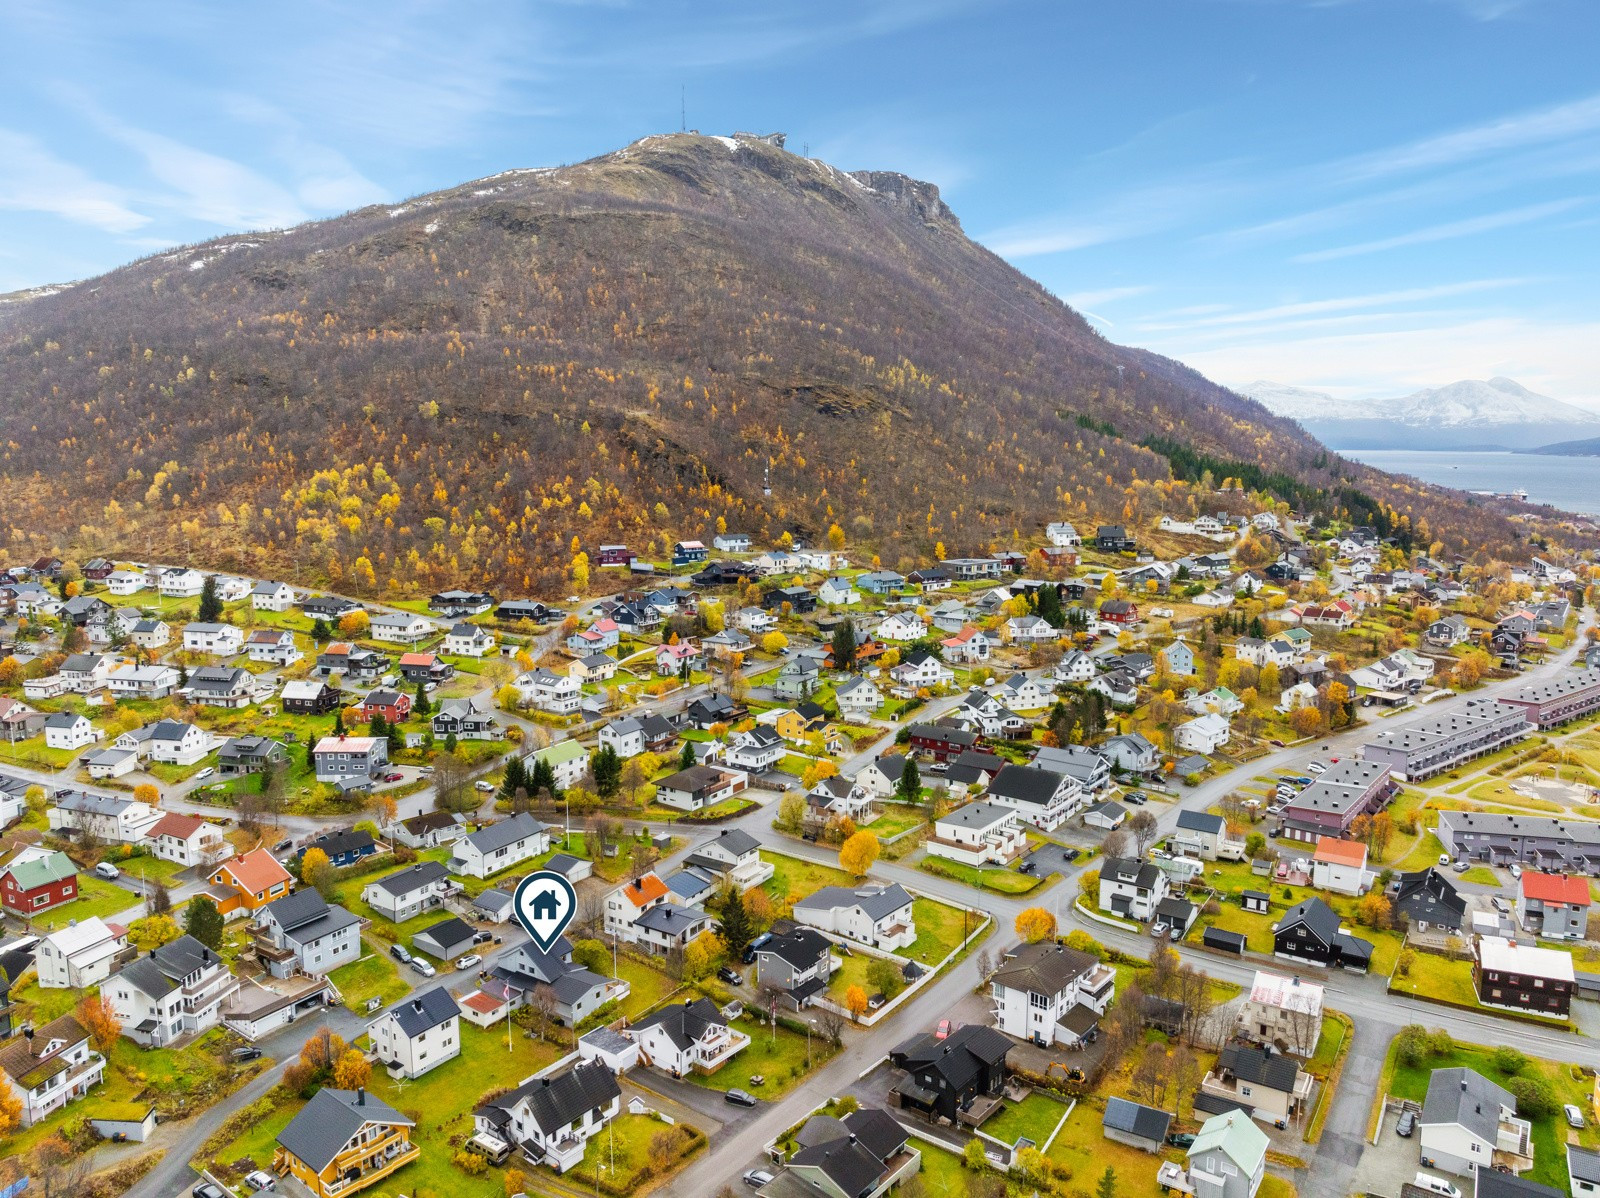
point(373, 976)
point(619, 1157)
point(96, 896)
point(1035, 1118)
point(775, 1054)
point(940, 929)
point(995, 878)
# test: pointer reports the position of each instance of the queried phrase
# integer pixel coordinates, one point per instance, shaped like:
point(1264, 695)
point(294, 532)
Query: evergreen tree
point(1257, 628)
point(210, 606)
point(1107, 1187)
point(338, 722)
point(320, 632)
point(606, 767)
point(543, 778)
point(450, 743)
point(203, 921)
point(421, 705)
point(844, 645)
point(1047, 605)
point(909, 787)
point(686, 755)
point(516, 778)
point(378, 727)
point(736, 929)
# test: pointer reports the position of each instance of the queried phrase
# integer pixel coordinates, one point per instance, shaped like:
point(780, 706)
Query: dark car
point(740, 1098)
point(1277, 744)
point(1407, 1124)
point(206, 1190)
point(1180, 1139)
point(731, 976)
point(750, 953)
point(483, 937)
point(399, 953)
point(283, 846)
point(1071, 854)
point(245, 1054)
point(1026, 867)
point(1137, 798)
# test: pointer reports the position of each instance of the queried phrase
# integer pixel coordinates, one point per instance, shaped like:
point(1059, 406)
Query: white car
point(1316, 767)
point(756, 1178)
point(468, 961)
point(261, 1180)
point(107, 871)
point(486, 787)
point(204, 774)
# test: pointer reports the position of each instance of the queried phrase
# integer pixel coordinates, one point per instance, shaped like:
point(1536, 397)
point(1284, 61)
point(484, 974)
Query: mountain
point(1499, 413)
point(1577, 449)
point(691, 330)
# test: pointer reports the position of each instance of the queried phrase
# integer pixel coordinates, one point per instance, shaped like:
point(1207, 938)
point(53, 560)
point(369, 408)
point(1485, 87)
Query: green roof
point(120, 1112)
point(41, 871)
point(1236, 1134)
point(562, 750)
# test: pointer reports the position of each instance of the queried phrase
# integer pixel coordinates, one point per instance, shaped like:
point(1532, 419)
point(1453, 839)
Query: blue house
point(687, 553)
point(344, 847)
point(880, 582)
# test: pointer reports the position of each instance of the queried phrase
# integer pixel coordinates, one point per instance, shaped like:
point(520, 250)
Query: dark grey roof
point(956, 1058)
point(1026, 784)
point(326, 1123)
point(1321, 920)
point(425, 1011)
point(1430, 897)
point(506, 832)
point(846, 1163)
point(1130, 872)
point(684, 1023)
point(877, 902)
point(1492, 1184)
point(346, 840)
point(413, 877)
point(1202, 821)
point(1464, 1096)
point(297, 909)
point(735, 840)
point(877, 1131)
point(447, 935)
point(1583, 1164)
point(1135, 1119)
point(1043, 968)
point(669, 920)
point(801, 948)
point(554, 1102)
point(1259, 1067)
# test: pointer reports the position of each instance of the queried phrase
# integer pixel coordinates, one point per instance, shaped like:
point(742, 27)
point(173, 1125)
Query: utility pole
point(683, 109)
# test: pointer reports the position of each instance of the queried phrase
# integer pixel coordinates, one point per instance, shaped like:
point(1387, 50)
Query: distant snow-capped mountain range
point(1472, 414)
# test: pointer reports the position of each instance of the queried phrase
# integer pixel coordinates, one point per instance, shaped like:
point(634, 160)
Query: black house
point(1427, 898)
point(957, 1078)
point(512, 610)
point(719, 574)
point(1113, 538)
point(1309, 931)
point(799, 599)
point(329, 607)
point(714, 709)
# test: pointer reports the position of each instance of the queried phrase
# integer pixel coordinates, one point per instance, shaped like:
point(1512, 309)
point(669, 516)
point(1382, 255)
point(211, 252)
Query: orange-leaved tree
point(1035, 924)
point(857, 854)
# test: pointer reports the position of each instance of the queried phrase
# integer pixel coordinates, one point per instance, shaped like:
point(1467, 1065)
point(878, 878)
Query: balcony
point(264, 948)
point(716, 1049)
point(1098, 983)
point(374, 1164)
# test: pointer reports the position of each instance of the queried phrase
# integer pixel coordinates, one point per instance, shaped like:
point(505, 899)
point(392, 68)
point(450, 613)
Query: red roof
point(417, 659)
point(256, 871)
point(482, 1003)
point(1341, 852)
point(1556, 888)
point(177, 824)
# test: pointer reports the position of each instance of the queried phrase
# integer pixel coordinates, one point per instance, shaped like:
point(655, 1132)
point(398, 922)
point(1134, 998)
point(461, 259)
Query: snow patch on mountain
point(1470, 403)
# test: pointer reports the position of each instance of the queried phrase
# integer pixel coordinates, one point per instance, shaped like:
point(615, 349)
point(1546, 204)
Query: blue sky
point(1364, 196)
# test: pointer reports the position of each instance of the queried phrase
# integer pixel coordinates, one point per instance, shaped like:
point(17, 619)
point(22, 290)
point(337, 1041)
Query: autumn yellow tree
point(508, 697)
point(1036, 924)
point(699, 958)
point(99, 1020)
point(10, 1112)
point(817, 771)
point(774, 642)
point(856, 855)
point(354, 623)
point(147, 792)
point(835, 537)
point(352, 1071)
point(855, 1001)
point(153, 931)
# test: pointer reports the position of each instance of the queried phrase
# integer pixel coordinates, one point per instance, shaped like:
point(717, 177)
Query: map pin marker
point(545, 903)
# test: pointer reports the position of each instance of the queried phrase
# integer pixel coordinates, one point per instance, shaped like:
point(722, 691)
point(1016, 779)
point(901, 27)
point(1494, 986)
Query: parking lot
point(1394, 1159)
point(1050, 859)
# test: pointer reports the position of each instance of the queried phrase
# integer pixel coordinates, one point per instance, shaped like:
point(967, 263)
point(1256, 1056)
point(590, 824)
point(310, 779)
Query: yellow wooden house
point(343, 1141)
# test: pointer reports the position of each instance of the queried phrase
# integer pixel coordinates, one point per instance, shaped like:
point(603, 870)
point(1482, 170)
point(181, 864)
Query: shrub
point(1509, 1061)
point(1411, 1046)
point(1536, 1097)
point(470, 1163)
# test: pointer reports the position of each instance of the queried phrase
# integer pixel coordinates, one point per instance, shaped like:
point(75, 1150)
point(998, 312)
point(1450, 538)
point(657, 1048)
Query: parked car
point(1573, 1114)
point(206, 1190)
point(260, 1180)
point(731, 976)
point(1158, 930)
point(250, 1053)
point(483, 785)
point(468, 961)
point(1316, 767)
point(422, 967)
point(1302, 779)
point(1025, 867)
point(739, 1098)
point(1071, 854)
point(1460, 867)
point(107, 871)
point(482, 937)
point(756, 1178)
point(1406, 1125)
point(1137, 798)
point(1515, 870)
point(283, 846)
point(945, 1028)
point(1180, 1139)
point(398, 952)
point(1276, 744)
point(395, 777)
point(749, 957)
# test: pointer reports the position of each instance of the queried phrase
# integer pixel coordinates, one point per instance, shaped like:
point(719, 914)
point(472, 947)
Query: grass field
point(1001, 881)
point(375, 975)
point(622, 1153)
point(1081, 1147)
point(1482, 875)
point(95, 897)
point(1549, 1133)
point(648, 986)
point(940, 929)
point(1035, 1117)
point(793, 878)
point(778, 1056)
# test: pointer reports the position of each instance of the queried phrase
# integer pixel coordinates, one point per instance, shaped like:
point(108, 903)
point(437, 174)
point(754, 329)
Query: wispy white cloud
point(1106, 295)
point(1139, 212)
point(35, 180)
point(1469, 227)
point(1345, 303)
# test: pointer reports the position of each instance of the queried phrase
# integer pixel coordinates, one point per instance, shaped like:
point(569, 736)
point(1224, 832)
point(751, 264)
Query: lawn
point(1327, 1046)
point(1427, 852)
point(1440, 978)
point(621, 1154)
point(1482, 875)
point(257, 1143)
point(442, 1095)
point(793, 878)
point(148, 869)
point(648, 986)
point(372, 976)
point(95, 897)
point(940, 929)
point(42, 1005)
point(778, 1055)
point(1035, 1117)
point(894, 819)
point(1549, 1134)
point(1082, 1148)
point(1001, 881)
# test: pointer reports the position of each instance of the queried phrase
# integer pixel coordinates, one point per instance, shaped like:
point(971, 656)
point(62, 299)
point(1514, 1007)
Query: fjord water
point(1572, 484)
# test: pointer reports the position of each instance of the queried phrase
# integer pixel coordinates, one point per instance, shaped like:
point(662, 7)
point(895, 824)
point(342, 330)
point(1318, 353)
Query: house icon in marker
point(545, 905)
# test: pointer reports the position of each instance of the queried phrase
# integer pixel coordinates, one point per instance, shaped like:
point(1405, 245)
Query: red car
point(945, 1028)
point(393, 777)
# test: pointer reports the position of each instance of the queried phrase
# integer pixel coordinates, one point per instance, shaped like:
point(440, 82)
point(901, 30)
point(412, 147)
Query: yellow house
point(343, 1141)
point(789, 724)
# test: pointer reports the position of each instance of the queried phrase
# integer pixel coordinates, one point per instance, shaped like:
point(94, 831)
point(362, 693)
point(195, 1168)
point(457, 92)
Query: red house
point(37, 880)
point(616, 555)
point(393, 706)
point(942, 743)
point(1119, 611)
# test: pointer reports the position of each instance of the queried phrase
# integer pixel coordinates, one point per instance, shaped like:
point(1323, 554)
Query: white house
point(628, 902)
point(1022, 693)
point(418, 1034)
point(1131, 889)
point(874, 914)
point(1340, 866)
point(979, 834)
point(303, 932)
point(1468, 1122)
point(272, 596)
point(468, 640)
point(273, 646)
point(858, 697)
point(126, 582)
point(79, 955)
point(174, 991)
point(1062, 535)
point(1050, 994)
point(919, 671)
point(113, 818)
point(552, 1118)
point(688, 1037)
point(756, 751)
point(176, 742)
point(1076, 666)
point(734, 856)
point(559, 694)
point(1029, 630)
point(901, 626)
point(187, 839)
point(409, 892)
point(967, 645)
point(499, 846)
point(1281, 1012)
point(838, 592)
point(224, 640)
point(399, 627)
point(1204, 835)
point(1204, 734)
point(180, 582)
point(68, 730)
point(1041, 797)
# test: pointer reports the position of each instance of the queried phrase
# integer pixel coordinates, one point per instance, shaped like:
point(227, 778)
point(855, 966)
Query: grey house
point(302, 931)
point(578, 992)
point(411, 891)
point(1542, 842)
point(445, 940)
point(1135, 1125)
point(797, 963)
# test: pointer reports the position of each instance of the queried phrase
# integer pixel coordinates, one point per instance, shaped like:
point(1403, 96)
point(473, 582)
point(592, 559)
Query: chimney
point(361, 1096)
